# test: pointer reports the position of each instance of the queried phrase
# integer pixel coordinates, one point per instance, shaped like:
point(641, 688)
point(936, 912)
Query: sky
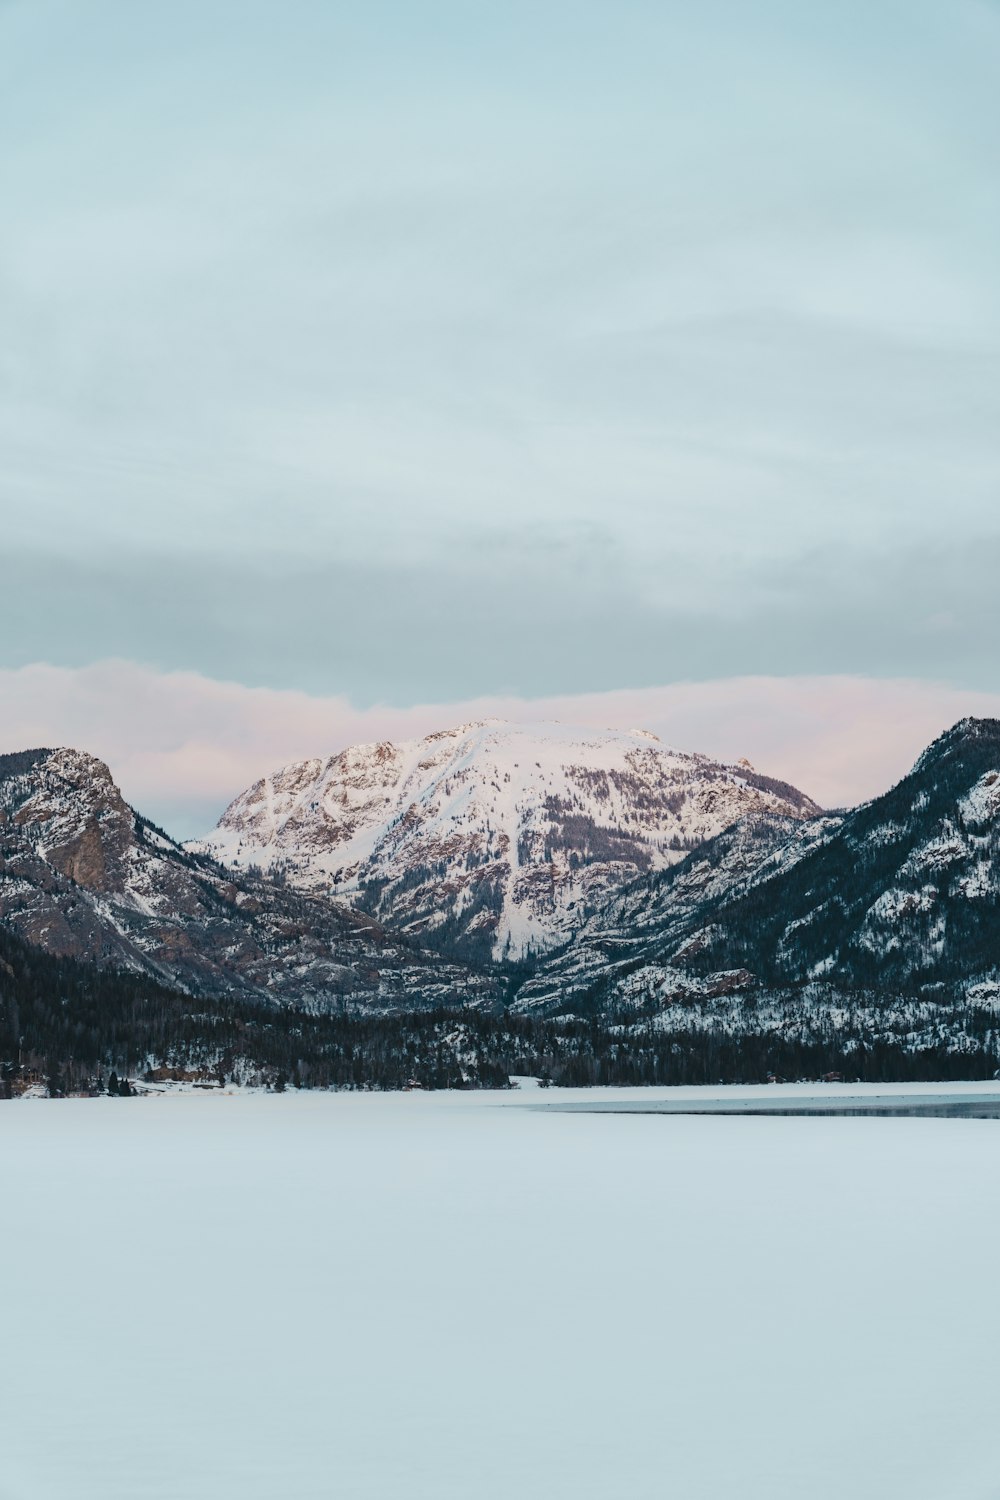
point(380, 363)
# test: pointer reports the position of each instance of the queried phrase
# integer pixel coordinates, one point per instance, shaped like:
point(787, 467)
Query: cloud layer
point(430, 350)
point(182, 745)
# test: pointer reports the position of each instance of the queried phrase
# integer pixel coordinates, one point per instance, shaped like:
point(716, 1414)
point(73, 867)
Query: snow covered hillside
point(893, 905)
point(495, 838)
point(83, 875)
point(640, 935)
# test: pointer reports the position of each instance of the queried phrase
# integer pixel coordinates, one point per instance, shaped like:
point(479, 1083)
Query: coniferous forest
point(72, 1027)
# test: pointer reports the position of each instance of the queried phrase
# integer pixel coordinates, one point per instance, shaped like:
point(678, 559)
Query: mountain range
point(84, 876)
point(546, 873)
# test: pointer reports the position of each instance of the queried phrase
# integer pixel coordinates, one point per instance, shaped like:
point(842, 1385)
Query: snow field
point(361, 1296)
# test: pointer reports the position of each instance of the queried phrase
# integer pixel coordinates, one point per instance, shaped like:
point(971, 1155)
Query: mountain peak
point(492, 837)
point(68, 805)
point(969, 738)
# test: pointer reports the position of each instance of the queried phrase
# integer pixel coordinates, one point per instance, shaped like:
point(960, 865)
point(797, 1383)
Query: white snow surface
point(479, 1296)
point(508, 829)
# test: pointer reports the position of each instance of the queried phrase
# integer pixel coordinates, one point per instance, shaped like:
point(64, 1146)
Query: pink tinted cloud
point(187, 743)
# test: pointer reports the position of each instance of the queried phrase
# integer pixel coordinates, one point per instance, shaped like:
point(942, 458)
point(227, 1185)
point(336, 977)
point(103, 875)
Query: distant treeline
point(70, 1025)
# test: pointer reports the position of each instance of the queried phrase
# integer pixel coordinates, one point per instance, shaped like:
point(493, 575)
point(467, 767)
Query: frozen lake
point(468, 1297)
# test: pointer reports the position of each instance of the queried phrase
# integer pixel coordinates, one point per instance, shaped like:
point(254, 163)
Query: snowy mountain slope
point(907, 891)
point(492, 838)
point(637, 929)
point(900, 897)
point(83, 875)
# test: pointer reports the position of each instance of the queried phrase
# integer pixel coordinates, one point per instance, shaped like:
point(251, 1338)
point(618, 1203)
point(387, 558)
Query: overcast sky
point(407, 354)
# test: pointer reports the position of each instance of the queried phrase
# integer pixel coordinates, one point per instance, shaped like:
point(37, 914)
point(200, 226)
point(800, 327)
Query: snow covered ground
point(468, 1297)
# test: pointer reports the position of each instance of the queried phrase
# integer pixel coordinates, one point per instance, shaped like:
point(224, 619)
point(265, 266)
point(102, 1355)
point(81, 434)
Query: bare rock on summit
point(73, 812)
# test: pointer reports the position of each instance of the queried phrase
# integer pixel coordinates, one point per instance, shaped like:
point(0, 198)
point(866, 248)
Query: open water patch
point(984, 1108)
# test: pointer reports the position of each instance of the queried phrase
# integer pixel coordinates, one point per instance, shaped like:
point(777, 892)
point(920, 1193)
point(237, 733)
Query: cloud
point(181, 744)
point(356, 376)
point(530, 612)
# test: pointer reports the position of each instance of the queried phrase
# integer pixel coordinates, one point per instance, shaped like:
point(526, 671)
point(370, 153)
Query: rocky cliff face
point(898, 901)
point(492, 839)
point(83, 875)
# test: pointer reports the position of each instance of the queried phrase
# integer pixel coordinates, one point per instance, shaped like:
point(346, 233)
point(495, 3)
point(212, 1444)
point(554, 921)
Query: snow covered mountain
point(868, 940)
point(83, 875)
point(491, 839)
point(891, 909)
point(634, 939)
